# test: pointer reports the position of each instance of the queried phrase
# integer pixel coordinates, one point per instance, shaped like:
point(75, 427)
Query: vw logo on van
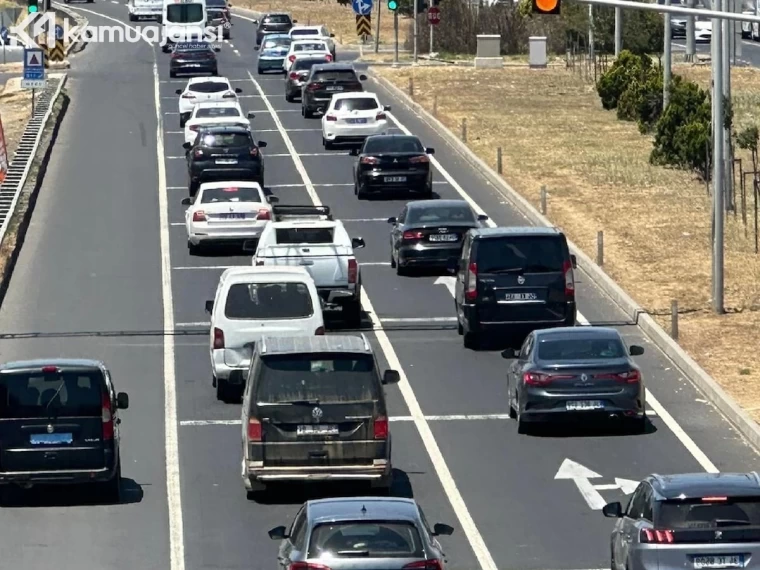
point(50, 428)
point(521, 280)
point(316, 413)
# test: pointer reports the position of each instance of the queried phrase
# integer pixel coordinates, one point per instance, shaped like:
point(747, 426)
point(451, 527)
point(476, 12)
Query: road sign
point(57, 53)
point(581, 476)
point(34, 69)
point(362, 7)
point(434, 15)
point(363, 25)
point(58, 32)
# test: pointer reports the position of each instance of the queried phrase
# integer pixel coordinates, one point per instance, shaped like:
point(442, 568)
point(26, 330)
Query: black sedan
point(193, 58)
point(224, 154)
point(430, 233)
point(575, 372)
point(392, 163)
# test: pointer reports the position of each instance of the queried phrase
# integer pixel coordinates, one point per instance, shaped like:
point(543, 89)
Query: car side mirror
point(362, 77)
point(295, 21)
point(440, 529)
point(122, 400)
point(187, 201)
point(332, 35)
point(178, 91)
point(573, 261)
point(249, 245)
point(238, 90)
point(261, 144)
point(508, 354)
point(251, 115)
point(358, 243)
point(187, 146)
point(452, 266)
point(254, 21)
point(209, 306)
point(392, 220)
point(430, 150)
point(613, 510)
point(482, 218)
point(386, 108)
point(272, 199)
point(636, 350)
point(278, 533)
point(353, 152)
point(391, 377)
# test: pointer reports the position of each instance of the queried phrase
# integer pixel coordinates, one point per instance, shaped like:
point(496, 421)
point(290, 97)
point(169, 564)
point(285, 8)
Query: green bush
point(642, 100)
point(613, 83)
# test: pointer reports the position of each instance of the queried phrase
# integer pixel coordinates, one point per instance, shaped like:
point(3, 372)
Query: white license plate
point(719, 561)
point(443, 237)
point(222, 161)
point(521, 297)
point(356, 121)
point(232, 216)
point(334, 88)
point(584, 405)
point(51, 439)
point(395, 178)
point(192, 65)
point(317, 430)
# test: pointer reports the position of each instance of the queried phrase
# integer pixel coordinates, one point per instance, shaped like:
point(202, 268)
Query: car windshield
point(204, 113)
point(226, 140)
point(209, 87)
point(302, 64)
point(580, 349)
point(392, 144)
point(184, 13)
point(38, 395)
point(192, 47)
point(535, 254)
point(440, 214)
point(304, 235)
point(335, 75)
point(311, 46)
point(357, 104)
point(698, 513)
point(231, 194)
point(381, 539)
point(328, 378)
point(266, 301)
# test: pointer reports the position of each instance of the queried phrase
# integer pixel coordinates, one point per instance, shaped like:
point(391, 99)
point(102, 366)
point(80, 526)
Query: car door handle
point(306, 262)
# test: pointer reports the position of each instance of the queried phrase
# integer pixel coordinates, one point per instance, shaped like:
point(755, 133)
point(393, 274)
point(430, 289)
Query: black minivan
point(59, 423)
point(511, 281)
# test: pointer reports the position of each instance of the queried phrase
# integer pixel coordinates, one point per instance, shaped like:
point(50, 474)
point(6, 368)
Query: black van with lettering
point(59, 423)
point(511, 281)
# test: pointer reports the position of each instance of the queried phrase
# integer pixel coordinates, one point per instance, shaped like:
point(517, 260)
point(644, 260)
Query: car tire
point(172, 74)
point(224, 391)
point(193, 249)
point(307, 113)
point(511, 406)
point(637, 426)
point(471, 340)
point(215, 72)
point(327, 144)
point(112, 488)
point(352, 313)
point(132, 17)
point(360, 193)
point(192, 189)
point(401, 271)
point(393, 259)
point(259, 71)
point(182, 122)
point(460, 328)
point(523, 427)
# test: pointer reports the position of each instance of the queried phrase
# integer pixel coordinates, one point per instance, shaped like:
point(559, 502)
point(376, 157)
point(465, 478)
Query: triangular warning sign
point(33, 60)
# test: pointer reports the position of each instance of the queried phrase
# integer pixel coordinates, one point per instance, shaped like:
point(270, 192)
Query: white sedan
point(204, 90)
point(313, 33)
point(299, 47)
point(226, 213)
point(352, 117)
point(227, 113)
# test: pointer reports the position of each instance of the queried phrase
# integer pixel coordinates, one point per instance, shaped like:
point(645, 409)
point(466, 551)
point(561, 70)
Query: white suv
point(352, 117)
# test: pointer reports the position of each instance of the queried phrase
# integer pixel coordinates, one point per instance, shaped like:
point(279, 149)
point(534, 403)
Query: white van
point(183, 21)
point(251, 302)
point(144, 9)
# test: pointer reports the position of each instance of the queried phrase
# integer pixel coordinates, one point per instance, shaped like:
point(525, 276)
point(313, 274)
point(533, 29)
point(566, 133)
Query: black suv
point(326, 80)
point(314, 410)
point(59, 423)
point(193, 58)
point(273, 24)
point(224, 153)
point(513, 281)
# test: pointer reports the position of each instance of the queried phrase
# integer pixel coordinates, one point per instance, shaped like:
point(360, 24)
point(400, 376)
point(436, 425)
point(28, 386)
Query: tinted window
point(209, 87)
point(312, 46)
point(37, 395)
point(529, 253)
point(381, 539)
point(335, 75)
point(330, 378)
point(580, 349)
point(302, 63)
point(696, 514)
point(440, 214)
point(184, 13)
point(216, 3)
point(232, 194)
point(189, 47)
point(304, 235)
point(276, 42)
point(393, 144)
point(227, 139)
point(268, 301)
point(358, 104)
point(276, 19)
point(295, 33)
point(217, 112)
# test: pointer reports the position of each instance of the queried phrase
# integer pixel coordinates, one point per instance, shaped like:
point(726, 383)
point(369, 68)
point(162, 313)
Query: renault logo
point(521, 280)
point(50, 428)
point(718, 534)
point(316, 413)
point(584, 377)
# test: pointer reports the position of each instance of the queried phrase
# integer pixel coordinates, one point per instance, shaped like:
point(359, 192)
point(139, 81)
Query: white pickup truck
point(308, 236)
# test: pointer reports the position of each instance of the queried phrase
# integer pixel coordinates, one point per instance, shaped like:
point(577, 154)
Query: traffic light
point(421, 6)
point(434, 2)
point(32, 7)
point(546, 6)
point(392, 5)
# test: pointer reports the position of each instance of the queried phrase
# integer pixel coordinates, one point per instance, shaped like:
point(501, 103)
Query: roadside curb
point(712, 391)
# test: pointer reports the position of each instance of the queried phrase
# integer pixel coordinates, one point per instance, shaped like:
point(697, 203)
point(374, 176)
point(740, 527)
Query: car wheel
point(182, 122)
point(360, 193)
point(215, 72)
point(638, 426)
point(460, 328)
point(471, 340)
point(393, 259)
point(193, 189)
point(259, 71)
point(511, 405)
point(307, 113)
point(172, 74)
point(523, 427)
point(193, 249)
point(352, 313)
point(401, 271)
point(288, 97)
point(327, 144)
point(112, 488)
point(132, 17)
point(224, 391)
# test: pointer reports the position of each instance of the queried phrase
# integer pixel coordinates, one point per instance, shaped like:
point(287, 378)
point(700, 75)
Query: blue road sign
point(34, 64)
point(58, 32)
point(362, 7)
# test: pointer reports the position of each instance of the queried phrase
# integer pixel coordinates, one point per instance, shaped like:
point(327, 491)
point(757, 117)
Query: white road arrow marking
point(448, 282)
point(628, 486)
point(580, 475)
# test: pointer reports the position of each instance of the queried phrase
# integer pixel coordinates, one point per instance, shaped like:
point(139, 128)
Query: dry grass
point(656, 221)
point(340, 20)
point(15, 110)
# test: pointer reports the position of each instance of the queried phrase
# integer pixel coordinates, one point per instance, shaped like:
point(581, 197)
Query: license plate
point(584, 405)
point(521, 297)
point(51, 439)
point(356, 121)
point(226, 161)
point(719, 561)
point(395, 178)
point(192, 65)
point(334, 88)
point(443, 237)
point(232, 216)
point(317, 430)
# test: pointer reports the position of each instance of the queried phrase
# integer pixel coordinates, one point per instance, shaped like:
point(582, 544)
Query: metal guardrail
point(18, 169)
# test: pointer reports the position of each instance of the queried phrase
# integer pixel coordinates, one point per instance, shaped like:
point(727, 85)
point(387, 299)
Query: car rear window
point(698, 513)
point(311, 46)
point(380, 539)
point(231, 194)
point(263, 301)
point(303, 235)
point(335, 75)
point(184, 13)
point(581, 349)
point(357, 104)
point(226, 139)
point(209, 87)
point(302, 63)
point(277, 42)
point(535, 254)
point(216, 3)
point(440, 214)
point(392, 144)
point(38, 395)
point(329, 378)
point(276, 19)
point(295, 33)
point(217, 112)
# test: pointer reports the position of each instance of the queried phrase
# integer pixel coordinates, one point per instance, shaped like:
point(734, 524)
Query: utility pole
point(618, 31)
point(716, 48)
point(416, 5)
point(377, 28)
point(691, 47)
point(395, 36)
point(432, 27)
point(667, 66)
point(726, 68)
point(591, 32)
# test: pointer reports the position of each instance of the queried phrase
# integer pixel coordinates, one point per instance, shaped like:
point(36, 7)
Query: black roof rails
point(290, 211)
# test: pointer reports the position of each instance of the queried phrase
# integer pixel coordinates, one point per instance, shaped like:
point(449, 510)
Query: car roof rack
point(292, 211)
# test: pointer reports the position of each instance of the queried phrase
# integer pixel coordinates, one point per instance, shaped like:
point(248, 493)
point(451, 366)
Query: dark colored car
point(512, 281)
point(677, 28)
point(575, 372)
point(224, 153)
point(299, 72)
point(273, 23)
point(689, 520)
point(324, 81)
point(193, 58)
point(392, 163)
point(218, 14)
point(272, 53)
point(430, 233)
point(59, 423)
point(314, 410)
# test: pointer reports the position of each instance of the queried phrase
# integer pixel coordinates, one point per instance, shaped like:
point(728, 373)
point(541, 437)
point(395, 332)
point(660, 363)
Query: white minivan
point(144, 9)
point(251, 302)
point(182, 21)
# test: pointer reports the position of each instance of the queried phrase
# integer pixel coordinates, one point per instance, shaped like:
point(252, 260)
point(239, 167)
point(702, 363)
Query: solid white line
point(428, 439)
point(177, 224)
point(176, 187)
point(374, 263)
point(667, 419)
point(609, 487)
point(358, 220)
point(193, 325)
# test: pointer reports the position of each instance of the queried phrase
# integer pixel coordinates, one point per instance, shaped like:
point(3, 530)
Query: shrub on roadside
point(642, 100)
point(628, 67)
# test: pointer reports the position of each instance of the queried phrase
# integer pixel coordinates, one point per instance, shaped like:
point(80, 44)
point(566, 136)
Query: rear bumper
point(72, 477)
point(255, 471)
point(198, 236)
point(337, 296)
point(207, 172)
point(271, 64)
point(539, 403)
point(375, 181)
point(193, 67)
point(354, 133)
point(223, 371)
point(144, 12)
point(427, 256)
point(475, 324)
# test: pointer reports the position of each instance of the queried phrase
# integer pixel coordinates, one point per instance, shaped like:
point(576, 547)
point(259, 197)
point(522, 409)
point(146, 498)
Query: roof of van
point(316, 343)
point(516, 231)
point(59, 362)
point(264, 272)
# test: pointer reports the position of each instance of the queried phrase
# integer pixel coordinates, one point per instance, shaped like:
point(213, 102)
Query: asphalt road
point(110, 215)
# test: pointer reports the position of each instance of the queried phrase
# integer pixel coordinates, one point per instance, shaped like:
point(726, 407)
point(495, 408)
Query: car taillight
point(471, 293)
point(254, 430)
point(198, 153)
point(331, 118)
point(411, 235)
point(630, 377)
point(537, 379)
point(381, 427)
point(107, 416)
point(320, 331)
point(424, 565)
point(218, 338)
point(254, 152)
point(368, 160)
point(199, 216)
point(328, 57)
point(292, 58)
point(353, 271)
point(381, 117)
point(651, 536)
point(293, 75)
point(188, 96)
point(567, 269)
point(312, 86)
point(307, 566)
point(264, 214)
point(419, 159)
point(194, 128)
point(229, 95)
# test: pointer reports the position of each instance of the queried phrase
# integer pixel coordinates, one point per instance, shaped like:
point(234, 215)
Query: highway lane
point(89, 265)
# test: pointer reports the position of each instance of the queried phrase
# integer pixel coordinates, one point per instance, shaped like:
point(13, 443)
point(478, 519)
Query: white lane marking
point(176, 187)
point(276, 155)
point(357, 220)
point(426, 434)
point(254, 111)
point(177, 224)
point(214, 267)
point(236, 52)
point(237, 15)
point(340, 185)
point(419, 320)
point(667, 419)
